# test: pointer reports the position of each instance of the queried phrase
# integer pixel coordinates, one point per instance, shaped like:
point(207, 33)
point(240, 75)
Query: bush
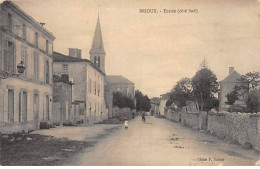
point(253, 101)
point(68, 124)
point(44, 125)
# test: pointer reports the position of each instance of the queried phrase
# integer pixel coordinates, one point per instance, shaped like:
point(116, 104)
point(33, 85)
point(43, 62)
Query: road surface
point(163, 142)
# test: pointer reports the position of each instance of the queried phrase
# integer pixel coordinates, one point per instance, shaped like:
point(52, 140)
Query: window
point(90, 108)
point(90, 85)
point(47, 72)
point(10, 115)
point(36, 66)
point(95, 60)
point(99, 62)
point(10, 22)
point(65, 68)
point(98, 90)
point(47, 107)
point(23, 107)
point(95, 88)
point(47, 46)
point(36, 39)
point(24, 31)
point(9, 57)
point(24, 59)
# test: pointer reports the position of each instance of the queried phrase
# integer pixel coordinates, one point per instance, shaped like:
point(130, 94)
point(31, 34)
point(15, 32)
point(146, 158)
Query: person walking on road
point(126, 125)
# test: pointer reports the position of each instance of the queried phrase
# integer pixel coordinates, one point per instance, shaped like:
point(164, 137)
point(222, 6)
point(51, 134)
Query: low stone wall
point(243, 128)
point(18, 127)
point(173, 115)
point(190, 120)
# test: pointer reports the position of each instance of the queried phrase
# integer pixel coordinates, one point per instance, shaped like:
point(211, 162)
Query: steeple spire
point(97, 51)
point(97, 43)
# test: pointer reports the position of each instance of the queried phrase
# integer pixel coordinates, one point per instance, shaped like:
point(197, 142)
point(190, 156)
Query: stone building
point(163, 100)
point(26, 100)
point(227, 85)
point(117, 83)
point(62, 101)
point(155, 105)
point(88, 77)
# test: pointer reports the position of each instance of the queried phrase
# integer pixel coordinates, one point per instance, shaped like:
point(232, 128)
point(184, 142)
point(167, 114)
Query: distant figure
point(126, 125)
point(133, 115)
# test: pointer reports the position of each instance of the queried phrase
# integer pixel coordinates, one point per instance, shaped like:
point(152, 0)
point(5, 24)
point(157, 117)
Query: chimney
point(75, 52)
point(231, 70)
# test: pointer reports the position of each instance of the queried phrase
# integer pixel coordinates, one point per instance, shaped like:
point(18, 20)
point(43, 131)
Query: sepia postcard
point(129, 83)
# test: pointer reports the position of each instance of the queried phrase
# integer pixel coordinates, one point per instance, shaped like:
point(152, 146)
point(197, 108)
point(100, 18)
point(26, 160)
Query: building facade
point(88, 77)
point(227, 85)
point(117, 83)
point(155, 106)
point(62, 101)
point(26, 100)
point(163, 100)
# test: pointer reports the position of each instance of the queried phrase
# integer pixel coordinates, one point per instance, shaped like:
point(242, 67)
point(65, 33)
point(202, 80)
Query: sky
point(155, 50)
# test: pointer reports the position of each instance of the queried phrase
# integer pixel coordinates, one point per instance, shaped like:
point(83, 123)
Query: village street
point(162, 142)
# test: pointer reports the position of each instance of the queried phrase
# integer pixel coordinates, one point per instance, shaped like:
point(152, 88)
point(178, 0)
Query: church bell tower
point(97, 51)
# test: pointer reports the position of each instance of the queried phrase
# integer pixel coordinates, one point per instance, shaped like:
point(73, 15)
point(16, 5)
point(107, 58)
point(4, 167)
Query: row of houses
point(52, 87)
point(226, 86)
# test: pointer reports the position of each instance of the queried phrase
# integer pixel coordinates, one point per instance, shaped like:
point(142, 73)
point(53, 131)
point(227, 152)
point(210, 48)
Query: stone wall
point(242, 128)
point(173, 115)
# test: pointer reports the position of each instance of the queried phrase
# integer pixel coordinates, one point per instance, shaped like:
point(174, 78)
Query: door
point(36, 109)
point(10, 106)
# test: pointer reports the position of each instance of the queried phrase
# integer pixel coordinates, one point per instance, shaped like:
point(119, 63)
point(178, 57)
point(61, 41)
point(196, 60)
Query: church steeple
point(97, 51)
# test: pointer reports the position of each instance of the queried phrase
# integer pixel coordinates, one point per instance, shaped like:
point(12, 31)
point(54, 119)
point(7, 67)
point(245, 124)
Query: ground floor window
point(10, 115)
point(23, 107)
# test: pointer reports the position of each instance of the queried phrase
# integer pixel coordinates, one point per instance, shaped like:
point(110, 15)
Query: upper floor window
point(47, 72)
point(10, 22)
point(36, 39)
point(99, 62)
point(24, 31)
point(95, 88)
point(36, 66)
point(89, 85)
point(9, 57)
point(47, 46)
point(95, 60)
point(65, 68)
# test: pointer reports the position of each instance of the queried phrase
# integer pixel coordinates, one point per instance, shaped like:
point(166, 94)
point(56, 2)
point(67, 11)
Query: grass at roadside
point(35, 149)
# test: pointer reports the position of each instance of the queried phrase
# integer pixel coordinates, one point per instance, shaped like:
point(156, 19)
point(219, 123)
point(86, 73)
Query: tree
point(253, 78)
point(205, 86)
point(142, 101)
point(121, 101)
point(253, 101)
point(181, 93)
point(233, 96)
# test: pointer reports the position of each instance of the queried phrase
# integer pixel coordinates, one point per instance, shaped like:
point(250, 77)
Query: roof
point(117, 79)
point(232, 78)
point(97, 43)
point(58, 57)
point(12, 5)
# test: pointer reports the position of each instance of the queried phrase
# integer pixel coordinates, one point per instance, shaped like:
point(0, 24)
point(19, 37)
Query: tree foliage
point(233, 96)
point(121, 101)
point(181, 93)
point(205, 86)
point(253, 78)
point(253, 101)
point(142, 101)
